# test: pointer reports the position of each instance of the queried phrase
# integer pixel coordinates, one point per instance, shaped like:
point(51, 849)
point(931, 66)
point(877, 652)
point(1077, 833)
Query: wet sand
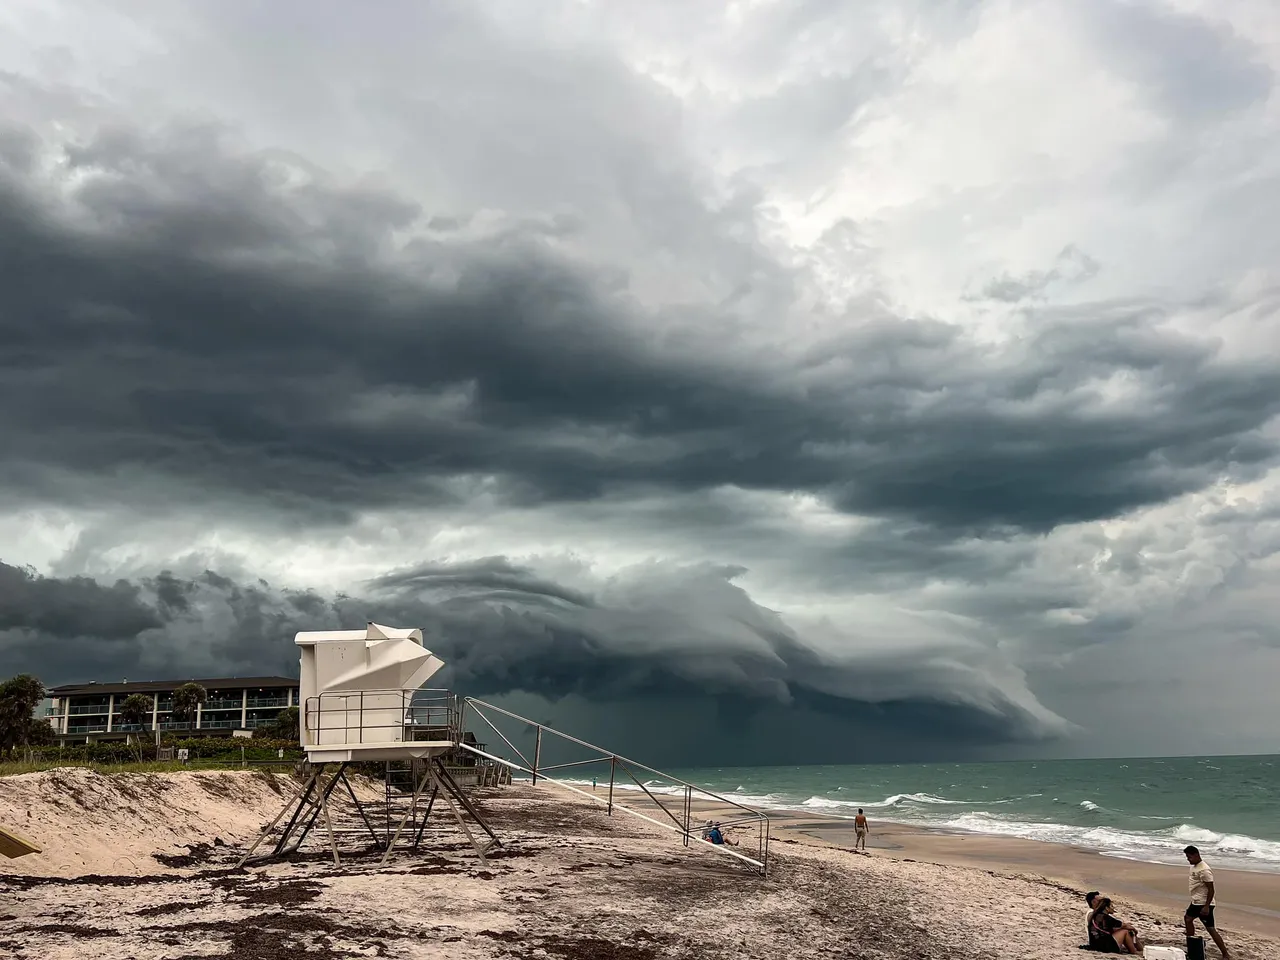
point(1247, 901)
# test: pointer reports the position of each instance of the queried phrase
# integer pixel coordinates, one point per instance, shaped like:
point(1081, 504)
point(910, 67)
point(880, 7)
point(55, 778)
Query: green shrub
point(200, 749)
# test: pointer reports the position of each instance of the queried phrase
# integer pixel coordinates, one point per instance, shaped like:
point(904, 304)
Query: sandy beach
point(1249, 901)
point(139, 866)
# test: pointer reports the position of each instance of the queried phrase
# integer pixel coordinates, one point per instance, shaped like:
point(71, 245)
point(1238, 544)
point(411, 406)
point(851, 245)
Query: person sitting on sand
point(1108, 933)
point(706, 830)
point(1089, 898)
point(861, 828)
point(717, 837)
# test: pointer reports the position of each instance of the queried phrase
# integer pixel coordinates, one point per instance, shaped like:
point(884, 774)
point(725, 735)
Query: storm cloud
point(660, 633)
point(650, 357)
point(179, 315)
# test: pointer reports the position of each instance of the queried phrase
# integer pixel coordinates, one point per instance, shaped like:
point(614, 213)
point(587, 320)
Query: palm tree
point(185, 701)
point(285, 724)
point(136, 711)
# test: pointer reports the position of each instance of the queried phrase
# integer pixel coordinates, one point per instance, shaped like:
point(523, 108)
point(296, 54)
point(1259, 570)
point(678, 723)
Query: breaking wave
point(1154, 846)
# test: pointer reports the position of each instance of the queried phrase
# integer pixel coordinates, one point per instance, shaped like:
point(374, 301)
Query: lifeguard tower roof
point(363, 698)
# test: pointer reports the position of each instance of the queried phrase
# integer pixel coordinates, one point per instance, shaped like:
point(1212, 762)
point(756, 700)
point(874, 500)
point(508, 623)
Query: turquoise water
point(1145, 809)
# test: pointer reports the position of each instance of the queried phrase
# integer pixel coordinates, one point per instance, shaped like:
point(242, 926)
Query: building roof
point(155, 686)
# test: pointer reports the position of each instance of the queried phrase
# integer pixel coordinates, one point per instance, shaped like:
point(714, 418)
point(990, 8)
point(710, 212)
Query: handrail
point(412, 712)
point(615, 760)
point(609, 753)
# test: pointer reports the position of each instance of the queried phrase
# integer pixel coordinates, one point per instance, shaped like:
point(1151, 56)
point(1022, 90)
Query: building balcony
point(87, 728)
point(92, 710)
point(206, 724)
point(268, 702)
point(254, 722)
point(227, 704)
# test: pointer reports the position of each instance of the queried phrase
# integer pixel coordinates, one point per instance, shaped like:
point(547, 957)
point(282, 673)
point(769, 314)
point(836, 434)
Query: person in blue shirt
point(716, 836)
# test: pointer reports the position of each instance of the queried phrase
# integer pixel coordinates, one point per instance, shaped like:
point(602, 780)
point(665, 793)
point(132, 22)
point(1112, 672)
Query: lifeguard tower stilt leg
point(442, 785)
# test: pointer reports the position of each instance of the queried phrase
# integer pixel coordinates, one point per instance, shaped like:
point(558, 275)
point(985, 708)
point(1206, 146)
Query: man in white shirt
point(1200, 883)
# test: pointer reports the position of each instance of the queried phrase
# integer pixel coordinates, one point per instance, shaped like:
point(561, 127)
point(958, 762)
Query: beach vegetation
point(283, 727)
point(186, 703)
point(136, 711)
point(19, 698)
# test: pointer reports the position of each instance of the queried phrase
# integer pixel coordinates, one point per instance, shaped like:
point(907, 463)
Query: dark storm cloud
point(204, 325)
point(72, 607)
point(662, 633)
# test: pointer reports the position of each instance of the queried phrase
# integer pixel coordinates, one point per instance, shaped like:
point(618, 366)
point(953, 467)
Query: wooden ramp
point(14, 844)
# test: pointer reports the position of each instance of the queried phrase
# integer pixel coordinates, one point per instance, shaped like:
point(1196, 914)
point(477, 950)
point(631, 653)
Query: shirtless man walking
point(861, 829)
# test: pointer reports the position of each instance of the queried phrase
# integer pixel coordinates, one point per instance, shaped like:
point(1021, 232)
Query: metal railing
point(227, 704)
point(363, 716)
point(681, 822)
point(89, 728)
point(100, 710)
point(267, 702)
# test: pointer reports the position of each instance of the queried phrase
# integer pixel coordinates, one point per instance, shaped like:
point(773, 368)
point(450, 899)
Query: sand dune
point(568, 882)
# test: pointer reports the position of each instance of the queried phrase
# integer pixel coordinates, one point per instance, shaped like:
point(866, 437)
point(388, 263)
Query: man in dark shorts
point(1202, 895)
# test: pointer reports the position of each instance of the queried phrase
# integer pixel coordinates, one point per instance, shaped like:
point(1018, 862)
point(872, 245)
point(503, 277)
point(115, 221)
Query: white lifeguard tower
point(362, 699)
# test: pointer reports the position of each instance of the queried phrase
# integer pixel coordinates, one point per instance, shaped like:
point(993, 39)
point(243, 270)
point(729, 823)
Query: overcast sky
point(828, 379)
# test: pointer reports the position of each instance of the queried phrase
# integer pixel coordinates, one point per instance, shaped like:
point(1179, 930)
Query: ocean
point(1141, 809)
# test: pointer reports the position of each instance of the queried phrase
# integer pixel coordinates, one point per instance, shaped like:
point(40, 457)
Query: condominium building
point(91, 711)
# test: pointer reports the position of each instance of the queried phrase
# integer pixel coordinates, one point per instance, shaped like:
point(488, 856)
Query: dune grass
point(9, 768)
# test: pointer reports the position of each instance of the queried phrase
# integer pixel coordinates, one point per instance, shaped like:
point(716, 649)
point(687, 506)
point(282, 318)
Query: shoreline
point(1249, 900)
point(780, 813)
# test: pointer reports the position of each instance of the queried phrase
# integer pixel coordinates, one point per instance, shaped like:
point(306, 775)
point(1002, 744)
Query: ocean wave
point(896, 800)
point(1155, 846)
point(1230, 844)
point(1084, 826)
point(900, 798)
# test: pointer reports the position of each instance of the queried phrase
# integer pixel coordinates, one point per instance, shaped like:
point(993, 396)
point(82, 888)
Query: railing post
point(537, 754)
point(688, 803)
point(613, 766)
